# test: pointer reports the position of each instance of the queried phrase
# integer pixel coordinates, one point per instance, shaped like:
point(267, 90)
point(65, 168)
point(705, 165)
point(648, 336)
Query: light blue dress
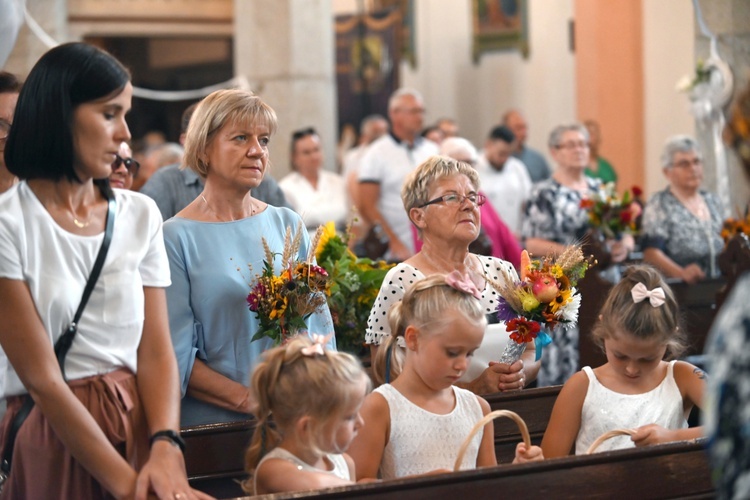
point(213, 266)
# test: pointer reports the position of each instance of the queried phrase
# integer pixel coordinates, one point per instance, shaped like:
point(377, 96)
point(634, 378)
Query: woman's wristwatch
point(168, 435)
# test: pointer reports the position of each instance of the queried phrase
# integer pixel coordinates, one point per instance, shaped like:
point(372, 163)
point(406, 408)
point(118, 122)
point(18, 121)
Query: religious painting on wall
point(407, 32)
point(367, 62)
point(499, 25)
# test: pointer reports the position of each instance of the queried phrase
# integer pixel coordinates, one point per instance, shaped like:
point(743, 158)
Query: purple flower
point(505, 313)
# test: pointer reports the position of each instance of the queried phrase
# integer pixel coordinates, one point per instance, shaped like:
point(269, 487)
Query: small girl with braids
point(313, 396)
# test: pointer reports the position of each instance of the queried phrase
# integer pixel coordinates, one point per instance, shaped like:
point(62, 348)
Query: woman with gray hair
point(442, 200)
point(554, 219)
point(682, 223)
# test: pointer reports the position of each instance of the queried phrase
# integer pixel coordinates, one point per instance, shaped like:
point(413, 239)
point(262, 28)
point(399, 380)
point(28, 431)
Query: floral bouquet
point(544, 298)
point(353, 285)
point(610, 214)
point(734, 226)
point(283, 301)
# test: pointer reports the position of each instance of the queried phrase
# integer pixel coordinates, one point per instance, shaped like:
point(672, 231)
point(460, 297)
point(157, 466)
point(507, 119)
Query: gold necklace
point(252, 210)
point(78, 223)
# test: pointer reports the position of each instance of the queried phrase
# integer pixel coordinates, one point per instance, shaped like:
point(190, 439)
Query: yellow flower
point(563, 297)
point(556, 271)
point(329, 231)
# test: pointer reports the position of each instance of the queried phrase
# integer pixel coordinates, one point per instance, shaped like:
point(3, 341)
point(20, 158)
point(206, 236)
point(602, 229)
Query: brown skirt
point(43, 468)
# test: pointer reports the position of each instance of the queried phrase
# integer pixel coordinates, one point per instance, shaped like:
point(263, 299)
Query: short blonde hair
point(416, 189)
point(215, 111)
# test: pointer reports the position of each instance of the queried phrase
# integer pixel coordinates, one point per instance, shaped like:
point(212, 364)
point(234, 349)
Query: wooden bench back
point(534, 406)
point(215, 452)
point(674, 470)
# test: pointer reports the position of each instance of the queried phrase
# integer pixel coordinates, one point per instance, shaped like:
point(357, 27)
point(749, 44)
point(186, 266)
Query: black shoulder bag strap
point(66, 339)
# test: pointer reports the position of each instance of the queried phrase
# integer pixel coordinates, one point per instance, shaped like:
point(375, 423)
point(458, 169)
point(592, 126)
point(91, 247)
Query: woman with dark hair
point(315, 193)
point(96, 403)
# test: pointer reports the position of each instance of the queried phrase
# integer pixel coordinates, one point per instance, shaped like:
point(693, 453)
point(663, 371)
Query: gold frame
point(501, 33)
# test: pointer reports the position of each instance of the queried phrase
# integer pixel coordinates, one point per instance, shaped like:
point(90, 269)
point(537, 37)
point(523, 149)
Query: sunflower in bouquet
point(734, 226)
point(282, 302)
point(353, 285)
point(544, 298)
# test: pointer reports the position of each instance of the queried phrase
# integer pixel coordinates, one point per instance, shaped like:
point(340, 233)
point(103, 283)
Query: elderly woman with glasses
point(442, 200)
point(682, 223)
point(124, 168)
point(315, 193)
point(554, 219)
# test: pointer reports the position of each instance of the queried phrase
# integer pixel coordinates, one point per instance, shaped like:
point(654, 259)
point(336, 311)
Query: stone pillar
point(285, 48)
point(52, 16)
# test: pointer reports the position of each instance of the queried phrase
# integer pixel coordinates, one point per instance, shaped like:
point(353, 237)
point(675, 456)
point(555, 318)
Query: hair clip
point(318, 345)
point(462, 283)
point(639, 292)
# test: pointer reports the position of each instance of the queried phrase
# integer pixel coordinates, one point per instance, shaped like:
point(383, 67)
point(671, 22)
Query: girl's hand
point(651, 434)
point(165, 475)
point(523, 454)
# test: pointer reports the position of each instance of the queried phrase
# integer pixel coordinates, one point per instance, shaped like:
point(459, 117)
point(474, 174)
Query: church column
point(52, 16)
point(285, 48)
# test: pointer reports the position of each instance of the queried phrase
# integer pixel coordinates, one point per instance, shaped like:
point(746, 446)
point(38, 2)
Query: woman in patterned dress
point(682, 223)
point(554, 219)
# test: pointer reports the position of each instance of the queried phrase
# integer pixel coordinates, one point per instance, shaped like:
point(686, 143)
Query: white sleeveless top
point(421, 441)
point(605, 410)
point(340, 468)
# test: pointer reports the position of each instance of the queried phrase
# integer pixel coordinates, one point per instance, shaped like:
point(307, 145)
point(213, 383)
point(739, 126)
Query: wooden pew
point(533, 405)
point(674, 470)
point(698, 307)
point(215, 456)
point(215, 452)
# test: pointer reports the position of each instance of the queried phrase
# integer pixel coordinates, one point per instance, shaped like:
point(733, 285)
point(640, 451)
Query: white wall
point(668, 54)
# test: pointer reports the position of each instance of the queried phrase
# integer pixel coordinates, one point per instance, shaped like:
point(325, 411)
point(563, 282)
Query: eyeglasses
point(456, 200)
point(130, 164)
point(573, 145)
point(695, 162)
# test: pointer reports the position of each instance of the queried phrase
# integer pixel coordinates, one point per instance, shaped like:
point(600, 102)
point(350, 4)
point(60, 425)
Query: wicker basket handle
point(480, 425)
point(608, 435)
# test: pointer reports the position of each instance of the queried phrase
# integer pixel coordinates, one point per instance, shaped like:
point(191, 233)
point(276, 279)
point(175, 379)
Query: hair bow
point(463, 283)
point(318, 345)
point(655, 296)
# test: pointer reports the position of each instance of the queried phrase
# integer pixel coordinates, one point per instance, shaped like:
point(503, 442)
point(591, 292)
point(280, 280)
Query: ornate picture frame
point(499, 25)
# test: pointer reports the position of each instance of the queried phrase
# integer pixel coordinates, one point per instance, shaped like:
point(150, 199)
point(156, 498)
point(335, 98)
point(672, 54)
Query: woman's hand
point(620, 249)
point(165, 475)
point(692, 273)
point(499, 377)
point(523, 454)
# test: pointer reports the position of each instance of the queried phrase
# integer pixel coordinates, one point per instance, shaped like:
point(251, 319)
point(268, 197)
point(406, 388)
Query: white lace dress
point(340, 468)
point(421, 441)
point(605, 410)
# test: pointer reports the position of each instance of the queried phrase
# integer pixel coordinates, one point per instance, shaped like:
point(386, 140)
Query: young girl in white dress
point(417, 424)
point(637, 388)
point(313, 396)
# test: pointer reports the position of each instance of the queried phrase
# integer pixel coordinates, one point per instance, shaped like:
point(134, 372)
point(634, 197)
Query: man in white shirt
point(505, 179)
point(385, 165)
